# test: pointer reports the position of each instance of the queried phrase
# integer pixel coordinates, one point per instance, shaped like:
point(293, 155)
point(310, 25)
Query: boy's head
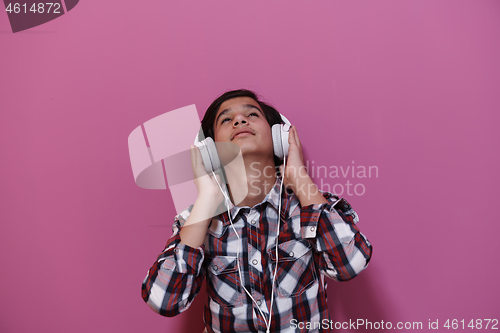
point(221, 124)
point(207, 124)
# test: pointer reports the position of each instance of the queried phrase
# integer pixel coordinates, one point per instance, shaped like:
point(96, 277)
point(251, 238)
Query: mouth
point(242, 133)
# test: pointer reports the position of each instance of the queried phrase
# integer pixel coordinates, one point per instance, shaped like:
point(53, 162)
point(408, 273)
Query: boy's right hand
point(209, 198)
point(207, 187)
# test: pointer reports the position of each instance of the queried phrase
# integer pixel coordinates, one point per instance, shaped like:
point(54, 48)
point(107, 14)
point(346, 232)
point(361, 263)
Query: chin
point(256, 150)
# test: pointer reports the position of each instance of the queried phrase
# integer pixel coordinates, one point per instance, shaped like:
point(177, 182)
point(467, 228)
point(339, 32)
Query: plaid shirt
point(313, 239)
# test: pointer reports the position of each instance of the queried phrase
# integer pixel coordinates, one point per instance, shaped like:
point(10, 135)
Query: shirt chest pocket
point(224, 282)
point(296, 270)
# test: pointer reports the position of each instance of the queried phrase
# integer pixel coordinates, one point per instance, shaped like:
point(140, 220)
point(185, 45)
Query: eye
point(224, 120)
point(253, 114)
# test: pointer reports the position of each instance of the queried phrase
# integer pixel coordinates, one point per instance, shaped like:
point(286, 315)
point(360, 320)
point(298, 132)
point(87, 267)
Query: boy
point(236, 251)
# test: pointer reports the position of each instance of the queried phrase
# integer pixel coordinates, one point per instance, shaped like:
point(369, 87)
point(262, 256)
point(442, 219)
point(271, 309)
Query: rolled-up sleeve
point(174, 280)
point(342, 251)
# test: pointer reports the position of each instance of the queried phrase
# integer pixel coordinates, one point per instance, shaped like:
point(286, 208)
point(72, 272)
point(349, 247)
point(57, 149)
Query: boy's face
point(241, 120)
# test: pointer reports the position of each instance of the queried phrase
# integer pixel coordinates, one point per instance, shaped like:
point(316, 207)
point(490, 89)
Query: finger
point(291, 136)
point(193, 156)
point(197, 162)
point(194, 161)
point(297, 137)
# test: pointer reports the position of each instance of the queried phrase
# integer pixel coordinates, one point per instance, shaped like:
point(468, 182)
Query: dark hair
point(207, 124)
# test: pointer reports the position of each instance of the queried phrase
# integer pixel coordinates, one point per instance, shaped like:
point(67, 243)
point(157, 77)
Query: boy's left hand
point(296, 172)
point(296, 177)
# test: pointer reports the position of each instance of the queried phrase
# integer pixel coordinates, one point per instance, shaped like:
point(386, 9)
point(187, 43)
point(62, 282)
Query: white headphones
point(212, 162)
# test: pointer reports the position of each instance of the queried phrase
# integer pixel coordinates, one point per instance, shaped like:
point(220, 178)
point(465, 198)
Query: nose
point(239, 119)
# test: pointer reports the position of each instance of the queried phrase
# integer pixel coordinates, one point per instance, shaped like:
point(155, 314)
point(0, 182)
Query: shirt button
point(313, 228)
point(216, 267)
point(259, 302)
point(291, 254)
point(255, 262)
point(176, 250)
point(253, 222)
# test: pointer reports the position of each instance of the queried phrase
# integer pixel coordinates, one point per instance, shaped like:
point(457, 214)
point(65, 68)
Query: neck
point(258, 176)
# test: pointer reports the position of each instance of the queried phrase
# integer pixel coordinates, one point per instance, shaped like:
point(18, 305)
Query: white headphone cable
point(227, 200)
point(277, 235)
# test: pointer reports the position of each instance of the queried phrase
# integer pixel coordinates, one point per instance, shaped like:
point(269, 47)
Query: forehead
point(237, 103)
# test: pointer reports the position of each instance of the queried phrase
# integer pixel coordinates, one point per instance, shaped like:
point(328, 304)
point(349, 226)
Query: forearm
point(195, 229)
point(344, 250)
point(174, 280)
point(308, 193)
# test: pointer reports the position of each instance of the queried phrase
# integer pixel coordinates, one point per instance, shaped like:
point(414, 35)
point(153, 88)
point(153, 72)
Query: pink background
point(408, 86)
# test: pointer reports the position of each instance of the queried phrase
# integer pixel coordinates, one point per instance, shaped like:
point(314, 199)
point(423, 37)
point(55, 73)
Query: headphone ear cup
point(285, 132)
point(205, 155)
point(277, 142)
point(212, 152)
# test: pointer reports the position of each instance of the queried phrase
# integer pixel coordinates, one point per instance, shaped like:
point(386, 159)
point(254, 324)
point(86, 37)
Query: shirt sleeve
point(174, 280)
point(342, 251)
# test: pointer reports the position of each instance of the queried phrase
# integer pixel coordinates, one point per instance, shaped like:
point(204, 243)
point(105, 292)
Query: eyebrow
point(246, 106)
